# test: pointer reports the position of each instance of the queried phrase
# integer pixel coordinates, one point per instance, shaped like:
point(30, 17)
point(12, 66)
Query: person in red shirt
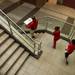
point(33, 26)
point(69, 49)
point(56, 35)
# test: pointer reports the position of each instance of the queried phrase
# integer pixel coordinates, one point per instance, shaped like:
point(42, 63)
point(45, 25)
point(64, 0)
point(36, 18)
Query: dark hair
point(73, 41)
point(33, 17)
point(57, 28)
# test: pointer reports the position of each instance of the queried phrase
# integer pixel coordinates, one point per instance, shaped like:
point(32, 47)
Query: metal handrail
point(58, 19)
point(14, 31)
point(55, 18)
point(18, 27)
point(35, 42)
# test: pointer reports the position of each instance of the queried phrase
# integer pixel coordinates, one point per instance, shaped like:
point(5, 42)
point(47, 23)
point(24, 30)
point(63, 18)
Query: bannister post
point(72, 33)
point(10, 27)
point(39, 47)
point(35, 49)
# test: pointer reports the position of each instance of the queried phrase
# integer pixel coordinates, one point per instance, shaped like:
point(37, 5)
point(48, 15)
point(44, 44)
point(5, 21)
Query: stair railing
point(49, 22)
point(72, 35)
point(12, 23)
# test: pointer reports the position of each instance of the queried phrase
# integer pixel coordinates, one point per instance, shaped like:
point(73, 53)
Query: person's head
point(33, 18)
point(73, 41)
point(57, 28)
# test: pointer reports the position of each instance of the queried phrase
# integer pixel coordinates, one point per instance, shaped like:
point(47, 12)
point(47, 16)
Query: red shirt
point(70, 48)
point(32, 25)
point(56, 35)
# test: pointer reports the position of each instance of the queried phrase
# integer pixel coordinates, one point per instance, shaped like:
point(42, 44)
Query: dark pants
point(66, 55)
point(54, 42)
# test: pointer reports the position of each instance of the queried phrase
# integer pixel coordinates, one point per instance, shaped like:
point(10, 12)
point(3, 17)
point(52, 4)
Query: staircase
point(12, 54)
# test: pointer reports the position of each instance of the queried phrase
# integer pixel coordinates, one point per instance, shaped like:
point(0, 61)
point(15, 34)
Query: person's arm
point(53, 33)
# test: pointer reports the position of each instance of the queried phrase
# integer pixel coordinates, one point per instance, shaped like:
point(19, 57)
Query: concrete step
point(6, 45)
point(9, 64)
point(28, 66)
point(3, 37)
point(15, 68)
point(8, 54)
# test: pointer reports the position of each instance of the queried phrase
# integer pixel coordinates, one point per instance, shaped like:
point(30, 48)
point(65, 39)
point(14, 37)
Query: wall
point(70, 3)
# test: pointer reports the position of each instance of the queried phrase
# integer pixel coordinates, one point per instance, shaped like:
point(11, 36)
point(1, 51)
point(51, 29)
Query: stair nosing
point(22, 64)
point(7, 48)
point(18, 62)
point(10, 55)
point(14, 62)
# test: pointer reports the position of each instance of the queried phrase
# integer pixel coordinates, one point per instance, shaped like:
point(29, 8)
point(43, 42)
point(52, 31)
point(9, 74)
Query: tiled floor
point(51, 62)
point(20, 12)
point(61, 9)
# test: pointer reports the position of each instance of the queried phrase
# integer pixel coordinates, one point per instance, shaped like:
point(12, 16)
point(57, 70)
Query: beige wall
point(52, 1)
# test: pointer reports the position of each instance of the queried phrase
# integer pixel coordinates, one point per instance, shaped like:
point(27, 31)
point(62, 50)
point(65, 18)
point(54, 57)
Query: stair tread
point(18, 64)
point(26, 66)
point(8, 53)
point(12, 60)
point(3, 37)
point(5, 45)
